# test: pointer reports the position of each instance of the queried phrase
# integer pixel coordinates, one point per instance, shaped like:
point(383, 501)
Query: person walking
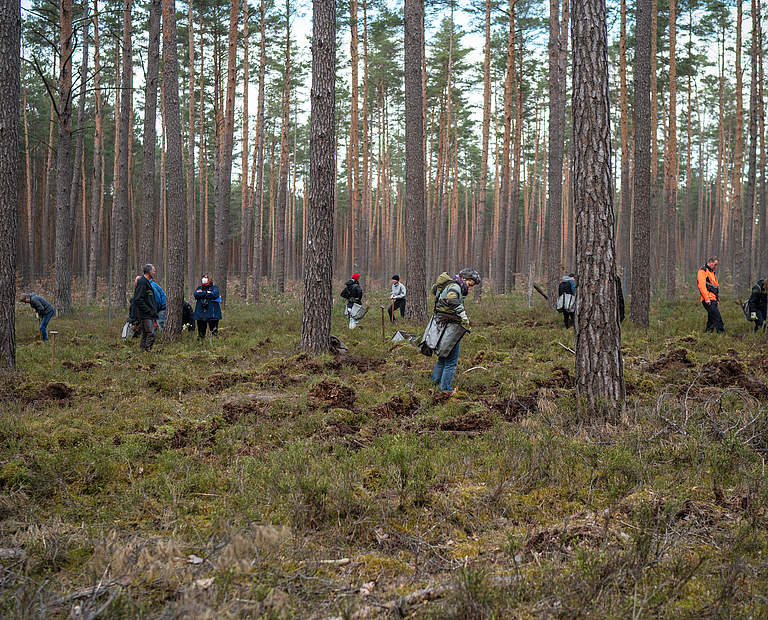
point(709, 290)
point(145, 307)
point(758, 304)
point(449, 295)
point(566, 299)
point(398, 298)
point(353, 293)
point(44, 310)
point(208, 307)
point(162, 303)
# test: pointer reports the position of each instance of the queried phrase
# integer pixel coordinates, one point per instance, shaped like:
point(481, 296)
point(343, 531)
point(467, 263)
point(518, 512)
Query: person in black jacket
point(758, 304)
point(145, 307)
point(353, 293)
point(43, 308)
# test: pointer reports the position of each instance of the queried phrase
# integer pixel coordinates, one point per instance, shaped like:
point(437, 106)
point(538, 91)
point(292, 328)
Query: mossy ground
point(238, 477)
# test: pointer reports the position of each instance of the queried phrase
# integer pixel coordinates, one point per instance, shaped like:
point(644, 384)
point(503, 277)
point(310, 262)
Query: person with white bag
point(353, 293)
point(566, 299)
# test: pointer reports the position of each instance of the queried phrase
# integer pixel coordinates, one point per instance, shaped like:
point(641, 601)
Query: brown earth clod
point(673, 360)
point(334, 394)
point(730, 373)
point(561, 378)
point(55, 391)
point(239, 408)
point(360, 363)
point(78, 366)
point(222, 380)
point(473, 421)
point(396, 407)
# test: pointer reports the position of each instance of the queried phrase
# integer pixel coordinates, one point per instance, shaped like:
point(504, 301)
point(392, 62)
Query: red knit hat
point(355, 276)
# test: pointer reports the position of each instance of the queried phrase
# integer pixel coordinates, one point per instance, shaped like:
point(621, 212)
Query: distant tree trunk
point(479, 233)
point(763, 194)
point(282, 191)
point(653, 265)
point(599, 366)
point(318, 264)
point(97, 183)
point(555, 153)
point(10, 94)
point(148, 207)
point(501, 241)
point(416, 263)
point(671, 161)
point(63, 249)
point(626, 193)
point(359, 241)
point(245, 205)
point(29, 264)
point(749, 197)
point(174, 182)
point(191, 253)
point(120, 220)
point(739, 268)
point(223, 187)
point(641, 249)
point(513, 217)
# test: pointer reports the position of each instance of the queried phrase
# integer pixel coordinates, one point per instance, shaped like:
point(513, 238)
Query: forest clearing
point(241, 478)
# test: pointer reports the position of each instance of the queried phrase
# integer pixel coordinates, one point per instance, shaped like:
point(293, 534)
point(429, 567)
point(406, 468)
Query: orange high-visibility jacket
point(709, 289)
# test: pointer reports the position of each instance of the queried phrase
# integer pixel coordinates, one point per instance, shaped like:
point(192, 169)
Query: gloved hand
point(465, 325)
point(753, 316)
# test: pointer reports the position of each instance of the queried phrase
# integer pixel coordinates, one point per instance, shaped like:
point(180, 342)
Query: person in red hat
point(353, 293)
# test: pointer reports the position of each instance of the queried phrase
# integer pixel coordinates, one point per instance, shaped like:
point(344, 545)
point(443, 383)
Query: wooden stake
point(382, 324)
point(53, 348)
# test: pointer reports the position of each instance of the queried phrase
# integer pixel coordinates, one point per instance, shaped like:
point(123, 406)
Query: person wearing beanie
point(353, 293)
point(398, 298)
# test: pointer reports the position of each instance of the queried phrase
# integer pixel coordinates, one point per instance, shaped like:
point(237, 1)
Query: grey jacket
point(40, 305)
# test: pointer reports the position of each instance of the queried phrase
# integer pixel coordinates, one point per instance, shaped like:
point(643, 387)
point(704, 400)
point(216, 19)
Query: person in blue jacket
point(208, 307)
point(162, 301)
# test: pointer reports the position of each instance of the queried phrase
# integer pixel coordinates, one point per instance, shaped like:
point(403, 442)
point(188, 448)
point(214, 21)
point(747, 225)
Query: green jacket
point(448, 297)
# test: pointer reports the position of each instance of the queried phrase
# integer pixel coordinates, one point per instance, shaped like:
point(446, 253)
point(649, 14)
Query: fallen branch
point(93, 592)
point(567, 348)
point(539, 291)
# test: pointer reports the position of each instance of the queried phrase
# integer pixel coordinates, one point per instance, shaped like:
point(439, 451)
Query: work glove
point(753, 316)
point(465, 325)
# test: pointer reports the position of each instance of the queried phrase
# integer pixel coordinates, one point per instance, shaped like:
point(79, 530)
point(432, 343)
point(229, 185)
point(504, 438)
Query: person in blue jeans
point(43, 308)
point(449, 295)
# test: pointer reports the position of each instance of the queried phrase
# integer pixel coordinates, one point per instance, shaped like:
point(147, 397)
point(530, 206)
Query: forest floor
point(240, 478)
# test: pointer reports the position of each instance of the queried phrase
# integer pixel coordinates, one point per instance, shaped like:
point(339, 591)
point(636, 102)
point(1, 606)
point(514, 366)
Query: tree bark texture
point(148, 206)
point(10, 78)
point(62, 294)
point(282, 190)
point(671, 161)
point(749, 196)
point(318, 265)
point(97, 185)
point(479, 233)
point(191, 253)
point(174, 181)
point(416, 237)
point(625, 209)
point(599, 365)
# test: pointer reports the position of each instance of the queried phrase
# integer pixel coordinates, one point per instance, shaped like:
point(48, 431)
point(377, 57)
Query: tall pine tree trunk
point(599, 365)
point(191, 253)
point(282, 190)
point(749, 196)
point(174, 180)
point(501, 242)
point(479, 232)
point(625, 209)
point(148, 207)
point(671, 161)
point(97, 183)
point(63, 249)
point(414, 162)
point(245, 204)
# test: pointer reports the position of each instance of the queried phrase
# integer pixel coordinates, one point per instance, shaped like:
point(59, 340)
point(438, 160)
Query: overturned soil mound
point(238, 408)
point(397, 407)
point(561, 378)
point(334, 394)
point(55, 391)
point(223, 380)
point(474, 421)
point(78, 366)
point(730, 373)
point(671, 361)
point(360, 363)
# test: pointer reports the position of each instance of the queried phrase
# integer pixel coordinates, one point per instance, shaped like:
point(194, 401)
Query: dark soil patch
point(731, 373)
point(474, 421)
point(674, 360)
point(238, 408)
point(78, 366)
point(56, 391)
point(222, 380)
point(334, 394)
point(204, 432)
point(561, 378)
point(360, 363)
point(336, 428)
point(397, 407)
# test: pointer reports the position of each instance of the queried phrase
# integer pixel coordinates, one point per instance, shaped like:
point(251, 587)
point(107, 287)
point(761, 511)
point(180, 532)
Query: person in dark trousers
point(398, 298)
point(42, 308)
point(145, 307)
point(353, 293)
point(619, 300)
point(709, 290)
point(758, 304)
point(208, 307)
point(567, 287)
point(449, 295)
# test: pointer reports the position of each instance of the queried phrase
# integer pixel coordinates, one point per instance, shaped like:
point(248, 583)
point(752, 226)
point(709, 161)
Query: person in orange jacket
point(709, 290)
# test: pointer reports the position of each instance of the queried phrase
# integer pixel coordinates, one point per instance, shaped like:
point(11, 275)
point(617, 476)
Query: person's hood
point(350, 282)
point(566, 279)
point(443, 280)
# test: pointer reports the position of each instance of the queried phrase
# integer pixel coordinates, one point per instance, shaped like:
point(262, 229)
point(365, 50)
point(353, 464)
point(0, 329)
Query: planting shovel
point(53, 347)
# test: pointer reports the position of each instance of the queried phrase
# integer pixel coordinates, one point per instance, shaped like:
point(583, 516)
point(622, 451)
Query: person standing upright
point(353, 293)
point(398, 298)
point(709, 290)
point(145, 307)
point(42, 308)
point(207, 307)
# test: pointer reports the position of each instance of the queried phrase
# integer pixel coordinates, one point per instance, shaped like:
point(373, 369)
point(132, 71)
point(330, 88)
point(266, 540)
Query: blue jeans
point(44, 324)
point(445, 368)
